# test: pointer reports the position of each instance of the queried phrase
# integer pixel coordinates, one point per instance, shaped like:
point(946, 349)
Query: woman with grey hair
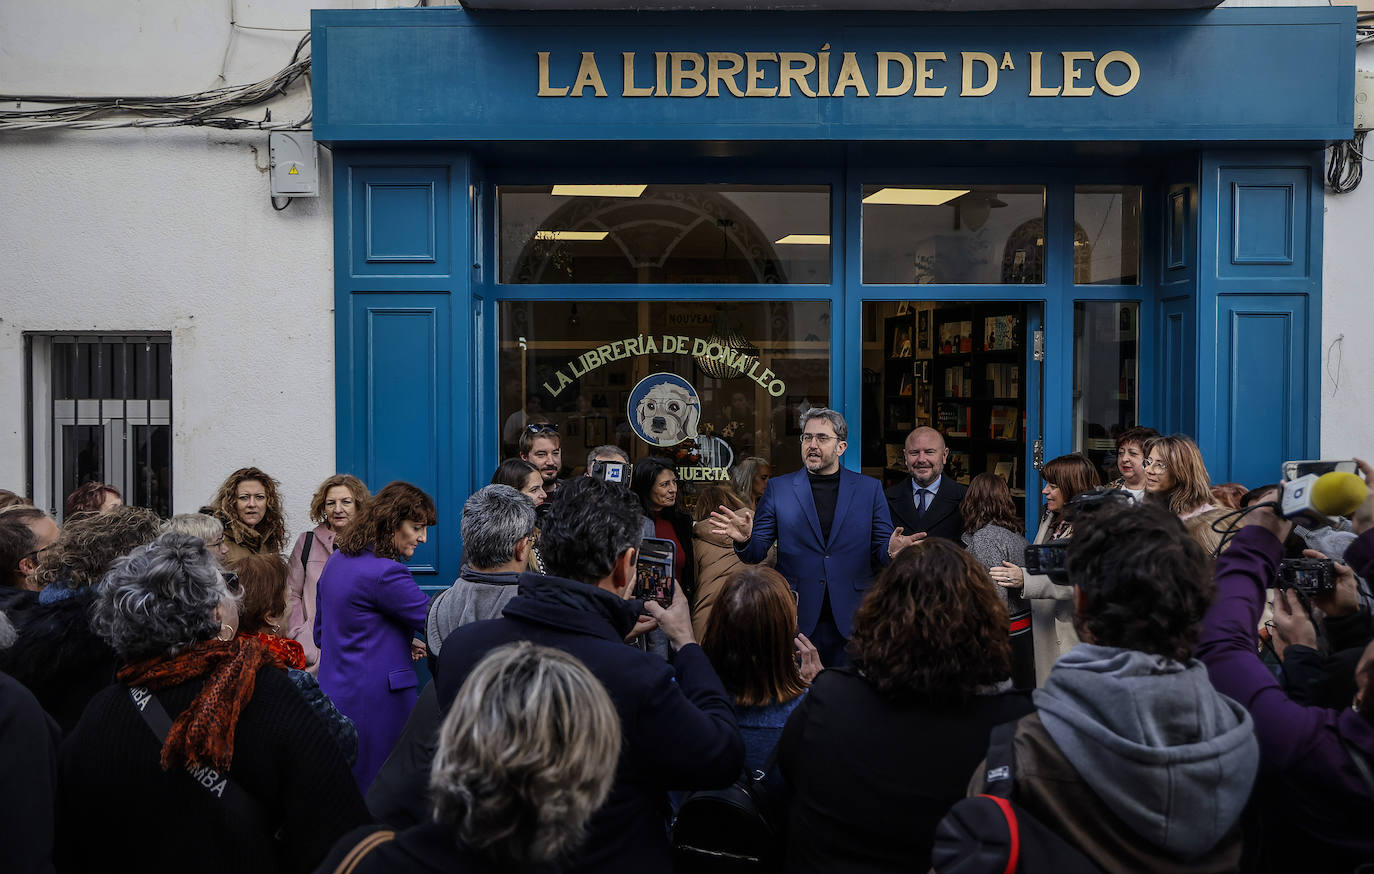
point(527, 753)
point(206, 527)
point(202, 730)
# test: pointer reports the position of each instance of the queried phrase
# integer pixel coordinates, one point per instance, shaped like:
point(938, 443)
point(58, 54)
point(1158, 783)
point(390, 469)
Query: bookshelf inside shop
point(959, 368)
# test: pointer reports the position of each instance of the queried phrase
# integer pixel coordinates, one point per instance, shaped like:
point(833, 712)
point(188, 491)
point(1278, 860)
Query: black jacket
point(28, 779)
point(58, 657)
point(679, 729)
point(427, 848)
point(871, 777)
point(941, 518)
point(118, 810)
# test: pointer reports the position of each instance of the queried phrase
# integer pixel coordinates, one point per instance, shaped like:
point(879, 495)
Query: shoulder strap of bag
point(219, 784)
point(1361, 764)
point(305, 551)
point(362, 848)
point(999, 776)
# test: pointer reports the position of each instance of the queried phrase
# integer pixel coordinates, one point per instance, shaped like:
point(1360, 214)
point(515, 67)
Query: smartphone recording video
point(1294, 469)
point(654, 572)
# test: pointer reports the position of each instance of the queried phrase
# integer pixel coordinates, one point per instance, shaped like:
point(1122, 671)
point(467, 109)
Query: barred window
point(100, 410)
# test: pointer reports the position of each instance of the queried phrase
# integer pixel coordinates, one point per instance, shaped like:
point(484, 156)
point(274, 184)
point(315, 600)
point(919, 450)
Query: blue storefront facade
point(1157, 179)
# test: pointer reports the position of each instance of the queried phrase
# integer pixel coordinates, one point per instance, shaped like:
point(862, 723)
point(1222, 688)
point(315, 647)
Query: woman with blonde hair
point(248, 504)
point(1176, 477)
point(334, 505)
point(1052, 628)
point(527, 753)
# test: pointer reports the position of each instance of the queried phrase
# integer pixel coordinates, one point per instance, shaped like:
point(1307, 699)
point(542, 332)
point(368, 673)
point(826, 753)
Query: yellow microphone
point(1316, 497)
point(1338, 494)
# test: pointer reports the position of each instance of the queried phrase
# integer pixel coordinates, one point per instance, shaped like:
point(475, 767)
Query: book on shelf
point(1003, 422)
point(905, 388)
point(895, 459)
point(1003, 466)
point(958, 382)
point(1004, 380)
point(954, 420)
point(958, 466)
point(1000, 332)
point(956, 337)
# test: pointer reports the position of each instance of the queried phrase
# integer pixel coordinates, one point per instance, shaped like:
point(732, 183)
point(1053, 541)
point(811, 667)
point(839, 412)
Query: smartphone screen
point(1294, 469)
point(654, 572)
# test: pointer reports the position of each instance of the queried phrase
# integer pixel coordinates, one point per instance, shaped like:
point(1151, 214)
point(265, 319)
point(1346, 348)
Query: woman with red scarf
point(262, 616)
point(202, 753)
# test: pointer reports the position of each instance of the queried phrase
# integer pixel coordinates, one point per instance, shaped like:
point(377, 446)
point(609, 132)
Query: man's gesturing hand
point(738, 525)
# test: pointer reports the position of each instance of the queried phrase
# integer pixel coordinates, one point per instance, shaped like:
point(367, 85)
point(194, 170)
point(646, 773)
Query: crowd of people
point(887, 666)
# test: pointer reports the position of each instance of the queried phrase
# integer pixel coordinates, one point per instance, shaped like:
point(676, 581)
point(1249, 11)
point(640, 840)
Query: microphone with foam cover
point(1314, 497)
point(1338, 494)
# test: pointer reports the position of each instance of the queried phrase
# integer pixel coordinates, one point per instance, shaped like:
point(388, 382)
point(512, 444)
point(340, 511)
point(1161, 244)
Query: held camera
point(611, 471)
point(1050, 560)
point(1310, 576)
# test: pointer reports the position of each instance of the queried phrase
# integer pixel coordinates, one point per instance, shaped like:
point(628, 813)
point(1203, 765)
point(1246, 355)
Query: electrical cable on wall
point(1345, 164)
point(205, 109)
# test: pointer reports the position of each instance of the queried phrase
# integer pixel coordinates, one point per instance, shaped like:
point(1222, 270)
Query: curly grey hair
point(495, 519)
point(160, 598)
point(831, 416)
point(527, 753)
point(207, 528)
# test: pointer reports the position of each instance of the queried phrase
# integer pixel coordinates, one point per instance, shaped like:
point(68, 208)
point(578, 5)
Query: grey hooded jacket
point(1171, 757)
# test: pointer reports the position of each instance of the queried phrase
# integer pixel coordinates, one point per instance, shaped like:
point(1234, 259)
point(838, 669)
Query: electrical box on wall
point(295, 165)
point(1364, 100)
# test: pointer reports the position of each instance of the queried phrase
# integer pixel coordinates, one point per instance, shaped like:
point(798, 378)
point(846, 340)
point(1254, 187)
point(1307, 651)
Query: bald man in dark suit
point(928, 502)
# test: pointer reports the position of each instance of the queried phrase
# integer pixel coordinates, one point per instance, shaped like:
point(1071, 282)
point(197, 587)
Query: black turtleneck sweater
point(825, 490)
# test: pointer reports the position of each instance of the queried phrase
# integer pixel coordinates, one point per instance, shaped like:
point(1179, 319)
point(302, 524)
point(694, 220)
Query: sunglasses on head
point(540, 427)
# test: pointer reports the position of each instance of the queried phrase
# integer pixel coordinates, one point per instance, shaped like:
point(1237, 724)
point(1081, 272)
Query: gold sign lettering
point(968, 89)
point(755, 74)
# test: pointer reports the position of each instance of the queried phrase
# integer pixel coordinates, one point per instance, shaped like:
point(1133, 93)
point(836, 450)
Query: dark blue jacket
point(679, 729)
point(845, 563)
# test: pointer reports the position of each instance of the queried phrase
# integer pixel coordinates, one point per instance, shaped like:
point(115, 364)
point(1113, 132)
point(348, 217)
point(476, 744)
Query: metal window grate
point(100, 409)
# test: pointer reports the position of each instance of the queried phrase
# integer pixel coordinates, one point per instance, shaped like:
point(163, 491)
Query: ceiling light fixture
point(804, 240)
point(915, 196)
point(571, 236)
point(599, 190)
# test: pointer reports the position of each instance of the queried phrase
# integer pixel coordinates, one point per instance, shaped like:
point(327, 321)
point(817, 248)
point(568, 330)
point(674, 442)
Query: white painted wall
point(1347, 392)
point(171, 229)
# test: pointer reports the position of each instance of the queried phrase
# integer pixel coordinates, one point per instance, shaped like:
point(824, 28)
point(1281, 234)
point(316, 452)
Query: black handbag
point(736, 829)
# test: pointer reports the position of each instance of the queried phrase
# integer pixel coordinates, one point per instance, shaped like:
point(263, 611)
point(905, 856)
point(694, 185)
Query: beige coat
point(716, 560)
point(1051, 616)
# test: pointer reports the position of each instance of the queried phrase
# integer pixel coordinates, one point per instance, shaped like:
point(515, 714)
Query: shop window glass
point(706, 384)
point(101, 412)
point(1106, 374)
point(735, 234)
point(953, 234)
point(1106, 234)
point(957, 366)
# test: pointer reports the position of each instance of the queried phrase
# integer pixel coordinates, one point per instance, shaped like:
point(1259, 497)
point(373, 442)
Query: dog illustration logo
point(664, 409)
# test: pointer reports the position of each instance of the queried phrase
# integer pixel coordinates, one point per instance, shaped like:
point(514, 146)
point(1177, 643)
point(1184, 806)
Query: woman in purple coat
point(368, 613)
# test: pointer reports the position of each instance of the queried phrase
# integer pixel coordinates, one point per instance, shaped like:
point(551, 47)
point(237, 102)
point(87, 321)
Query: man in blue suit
point(833, 533)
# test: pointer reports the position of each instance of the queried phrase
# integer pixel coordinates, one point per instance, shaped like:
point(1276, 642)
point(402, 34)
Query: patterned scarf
point(203, 733)
point(289, 651)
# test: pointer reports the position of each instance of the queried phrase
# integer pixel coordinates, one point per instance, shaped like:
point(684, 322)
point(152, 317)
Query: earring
point(276, 629)
point(226, 637)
